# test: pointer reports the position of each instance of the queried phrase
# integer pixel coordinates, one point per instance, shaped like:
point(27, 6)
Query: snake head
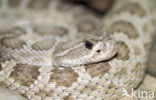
point(85, 51)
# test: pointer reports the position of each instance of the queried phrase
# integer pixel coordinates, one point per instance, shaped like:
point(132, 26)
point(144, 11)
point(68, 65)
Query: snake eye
point(88, 44)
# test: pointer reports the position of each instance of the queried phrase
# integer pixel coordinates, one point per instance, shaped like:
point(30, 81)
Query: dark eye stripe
point(88, 44)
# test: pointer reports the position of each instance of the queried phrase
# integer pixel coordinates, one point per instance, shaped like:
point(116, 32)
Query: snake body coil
point(50, 50)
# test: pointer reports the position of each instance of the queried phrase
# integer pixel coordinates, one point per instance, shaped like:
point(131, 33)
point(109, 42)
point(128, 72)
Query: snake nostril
point(98, 51)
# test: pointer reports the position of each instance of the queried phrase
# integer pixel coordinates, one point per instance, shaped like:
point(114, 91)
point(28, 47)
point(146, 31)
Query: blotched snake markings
point(52, 50)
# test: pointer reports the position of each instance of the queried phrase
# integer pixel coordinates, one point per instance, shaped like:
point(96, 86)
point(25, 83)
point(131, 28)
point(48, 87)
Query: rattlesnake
point(52, 50)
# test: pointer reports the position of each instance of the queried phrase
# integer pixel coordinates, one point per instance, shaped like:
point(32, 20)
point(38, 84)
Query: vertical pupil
point(88, 45)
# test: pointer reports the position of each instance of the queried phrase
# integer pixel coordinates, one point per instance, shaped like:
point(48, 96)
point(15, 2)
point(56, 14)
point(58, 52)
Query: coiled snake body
point(51, 50)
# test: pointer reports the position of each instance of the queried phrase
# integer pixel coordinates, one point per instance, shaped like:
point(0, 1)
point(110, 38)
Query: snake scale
point(53, 50)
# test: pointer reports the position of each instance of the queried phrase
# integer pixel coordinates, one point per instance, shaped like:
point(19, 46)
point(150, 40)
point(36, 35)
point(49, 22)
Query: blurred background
point(102, 7)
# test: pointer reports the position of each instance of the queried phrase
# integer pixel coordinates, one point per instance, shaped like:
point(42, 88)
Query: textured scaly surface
point(38, 40)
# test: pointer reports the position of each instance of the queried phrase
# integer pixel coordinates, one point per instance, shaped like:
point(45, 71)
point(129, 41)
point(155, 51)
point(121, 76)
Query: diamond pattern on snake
point(50, 50)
